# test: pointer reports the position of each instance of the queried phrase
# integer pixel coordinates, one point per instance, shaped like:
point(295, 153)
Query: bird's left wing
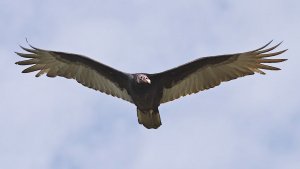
point(208, 72)
point(84, 70)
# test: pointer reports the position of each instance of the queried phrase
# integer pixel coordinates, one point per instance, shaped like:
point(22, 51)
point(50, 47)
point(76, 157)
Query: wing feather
point(84, 70)
point(208, 72)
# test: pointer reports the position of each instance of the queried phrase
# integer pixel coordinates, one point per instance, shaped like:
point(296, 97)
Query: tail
point(150, 118)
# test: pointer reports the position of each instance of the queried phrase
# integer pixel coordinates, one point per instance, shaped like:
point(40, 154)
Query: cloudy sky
point(54, 123)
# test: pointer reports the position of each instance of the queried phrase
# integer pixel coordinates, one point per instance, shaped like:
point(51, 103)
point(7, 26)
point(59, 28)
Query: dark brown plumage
point(148, 91)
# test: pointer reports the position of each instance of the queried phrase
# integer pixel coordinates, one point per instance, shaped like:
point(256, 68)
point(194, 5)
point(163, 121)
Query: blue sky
point(54, 123)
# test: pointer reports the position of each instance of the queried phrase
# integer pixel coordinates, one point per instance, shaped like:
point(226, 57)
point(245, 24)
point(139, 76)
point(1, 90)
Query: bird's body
point(146, 97)
point(148, 91)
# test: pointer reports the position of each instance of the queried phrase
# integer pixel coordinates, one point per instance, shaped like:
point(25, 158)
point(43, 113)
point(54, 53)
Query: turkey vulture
point(148, 91)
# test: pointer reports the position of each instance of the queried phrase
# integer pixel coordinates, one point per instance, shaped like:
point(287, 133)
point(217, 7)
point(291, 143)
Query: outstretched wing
point(84, 70)
point(208, 72)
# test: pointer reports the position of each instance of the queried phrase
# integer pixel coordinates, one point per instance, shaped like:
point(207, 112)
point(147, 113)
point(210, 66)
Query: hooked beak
point(148, 81)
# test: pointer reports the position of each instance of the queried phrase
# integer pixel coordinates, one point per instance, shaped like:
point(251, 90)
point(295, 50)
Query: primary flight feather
point(148, 91)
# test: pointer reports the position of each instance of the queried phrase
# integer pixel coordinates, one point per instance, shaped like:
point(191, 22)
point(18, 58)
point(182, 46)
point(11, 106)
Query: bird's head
point(142, 79)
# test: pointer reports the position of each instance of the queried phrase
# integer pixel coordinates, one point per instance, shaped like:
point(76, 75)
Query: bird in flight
point(148, 91)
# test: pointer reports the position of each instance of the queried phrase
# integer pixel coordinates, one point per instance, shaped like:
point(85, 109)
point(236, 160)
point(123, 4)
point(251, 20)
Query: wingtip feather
point(267, 67)
point(271, 60)
point(271, 54)
point(28, 50)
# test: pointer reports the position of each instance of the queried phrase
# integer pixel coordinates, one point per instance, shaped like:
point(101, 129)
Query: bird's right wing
point(84, 70)
point(208, 72)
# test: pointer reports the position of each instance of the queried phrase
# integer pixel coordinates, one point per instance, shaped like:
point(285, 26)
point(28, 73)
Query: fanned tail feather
point(150, 118)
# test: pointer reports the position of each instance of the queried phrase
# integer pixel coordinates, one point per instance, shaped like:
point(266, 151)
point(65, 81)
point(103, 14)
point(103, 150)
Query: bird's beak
point(148, 81)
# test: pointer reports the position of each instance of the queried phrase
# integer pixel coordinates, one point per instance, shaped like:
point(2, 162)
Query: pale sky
point(55, 123)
